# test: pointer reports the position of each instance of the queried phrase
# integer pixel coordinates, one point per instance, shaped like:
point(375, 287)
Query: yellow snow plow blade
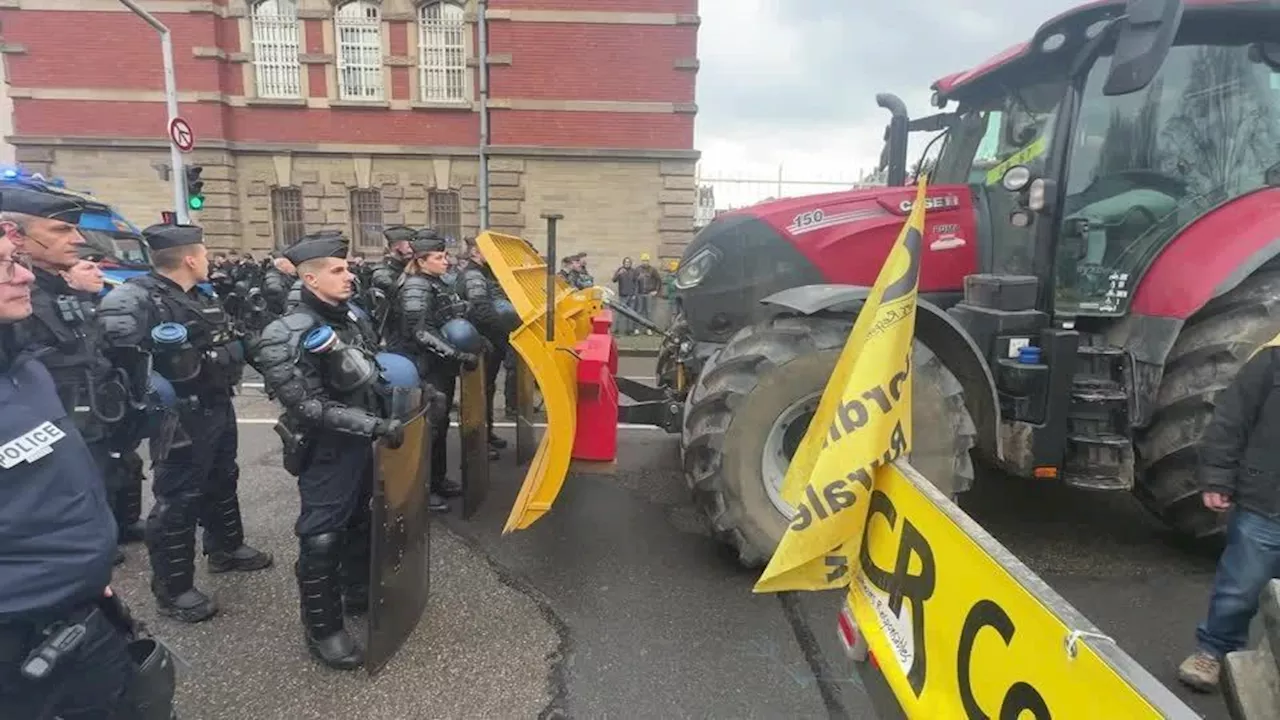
point(554, 364)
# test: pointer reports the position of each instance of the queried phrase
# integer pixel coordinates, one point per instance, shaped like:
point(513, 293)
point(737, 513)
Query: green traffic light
point(195, 203)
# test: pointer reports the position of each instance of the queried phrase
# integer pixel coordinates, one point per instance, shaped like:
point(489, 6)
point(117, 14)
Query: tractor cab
point(1083, 186)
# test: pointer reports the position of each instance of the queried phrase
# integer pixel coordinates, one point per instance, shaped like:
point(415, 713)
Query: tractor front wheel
point(1211, 349)
point(753, 403)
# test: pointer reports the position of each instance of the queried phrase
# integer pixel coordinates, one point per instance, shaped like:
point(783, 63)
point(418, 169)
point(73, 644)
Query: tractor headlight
point(695, 269)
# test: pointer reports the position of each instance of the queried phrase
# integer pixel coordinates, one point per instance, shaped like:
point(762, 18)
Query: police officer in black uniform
point(492, 314)
point(385, 276)
point(64, 645)
point(423, 307)
point(276, 283)
point(62, 329)
point(164, 315)
point(318, 361)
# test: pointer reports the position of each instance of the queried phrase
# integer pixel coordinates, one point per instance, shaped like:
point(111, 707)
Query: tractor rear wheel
point(751, 407)
point(1212, 347)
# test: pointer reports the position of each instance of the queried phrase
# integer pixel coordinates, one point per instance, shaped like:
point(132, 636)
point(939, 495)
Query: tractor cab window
point(1144, 166)
point(990, 137)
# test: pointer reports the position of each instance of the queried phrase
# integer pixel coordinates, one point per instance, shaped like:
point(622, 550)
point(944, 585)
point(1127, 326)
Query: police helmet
point(460, 333)
point(398, 370)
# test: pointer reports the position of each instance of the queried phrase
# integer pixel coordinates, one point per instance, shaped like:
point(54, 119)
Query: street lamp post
point(177, 172)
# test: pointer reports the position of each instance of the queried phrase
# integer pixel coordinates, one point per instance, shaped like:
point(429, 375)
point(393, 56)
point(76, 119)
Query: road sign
point(181, 134)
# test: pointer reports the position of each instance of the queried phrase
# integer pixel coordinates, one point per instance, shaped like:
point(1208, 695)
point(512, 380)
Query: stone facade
point(613, 208)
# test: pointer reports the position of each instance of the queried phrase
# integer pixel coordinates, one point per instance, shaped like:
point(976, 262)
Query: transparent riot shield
point(474, 430)
point(400, 562)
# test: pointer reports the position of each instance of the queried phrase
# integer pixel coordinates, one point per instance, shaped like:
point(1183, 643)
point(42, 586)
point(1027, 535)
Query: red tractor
point(1101, 254)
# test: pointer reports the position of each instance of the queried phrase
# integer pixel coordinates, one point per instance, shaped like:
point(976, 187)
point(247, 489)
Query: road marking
point(499, 425)
point(635, 378)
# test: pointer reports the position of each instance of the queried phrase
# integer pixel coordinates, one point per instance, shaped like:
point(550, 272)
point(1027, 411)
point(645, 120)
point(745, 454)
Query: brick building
point(357, 114)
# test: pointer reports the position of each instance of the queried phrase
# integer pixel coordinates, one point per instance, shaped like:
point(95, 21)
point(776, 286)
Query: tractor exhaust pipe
point(893, 158)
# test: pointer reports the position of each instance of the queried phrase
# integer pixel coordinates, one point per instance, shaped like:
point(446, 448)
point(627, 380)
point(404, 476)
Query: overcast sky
point(794, 82)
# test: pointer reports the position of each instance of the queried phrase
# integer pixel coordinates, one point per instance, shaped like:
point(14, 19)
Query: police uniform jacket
point(63, 331)
point(296, 378)
point(480, 289)
point(57, 535)
point(132, 309)
point(423, 306)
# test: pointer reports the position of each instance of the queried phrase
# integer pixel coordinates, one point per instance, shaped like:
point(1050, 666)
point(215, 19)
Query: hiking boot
point(1200, 672)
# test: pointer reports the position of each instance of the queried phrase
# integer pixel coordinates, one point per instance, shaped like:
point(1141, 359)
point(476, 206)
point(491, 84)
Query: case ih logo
point(933, 203)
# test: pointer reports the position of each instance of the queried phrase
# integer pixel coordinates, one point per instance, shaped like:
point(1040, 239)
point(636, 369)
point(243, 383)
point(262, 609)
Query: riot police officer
point(64, 637)
point(62, 329)
point(165, 316)
point(493, 315)
point(318, 361)
point(385, 277)
point(123, 468)
point(424, 308)
point(276, 283)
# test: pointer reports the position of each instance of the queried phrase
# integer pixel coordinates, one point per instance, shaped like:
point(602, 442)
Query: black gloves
point(391, 431)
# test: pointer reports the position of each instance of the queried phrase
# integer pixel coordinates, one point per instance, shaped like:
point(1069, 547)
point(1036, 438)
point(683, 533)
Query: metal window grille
point(359, 29)
point(445, 213)
point(286, 215)
point(366, 218)
point(274, 29)
point(442, 52)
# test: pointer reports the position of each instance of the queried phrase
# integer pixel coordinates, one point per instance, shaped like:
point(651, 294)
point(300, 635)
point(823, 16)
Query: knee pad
point(328, 543)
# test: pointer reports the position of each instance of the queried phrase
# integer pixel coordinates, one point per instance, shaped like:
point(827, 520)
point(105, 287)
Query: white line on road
point(500, 425)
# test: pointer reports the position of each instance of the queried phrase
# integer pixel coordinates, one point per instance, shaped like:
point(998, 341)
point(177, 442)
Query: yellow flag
point(863, 423)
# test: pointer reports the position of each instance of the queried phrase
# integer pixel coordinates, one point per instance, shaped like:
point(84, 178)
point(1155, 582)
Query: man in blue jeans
point(1239, 473)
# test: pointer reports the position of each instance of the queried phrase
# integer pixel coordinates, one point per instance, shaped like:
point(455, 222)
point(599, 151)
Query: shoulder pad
point(124, 297)
point(286, 330)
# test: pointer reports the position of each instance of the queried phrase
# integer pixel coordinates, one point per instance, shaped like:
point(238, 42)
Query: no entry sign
point(181, 134)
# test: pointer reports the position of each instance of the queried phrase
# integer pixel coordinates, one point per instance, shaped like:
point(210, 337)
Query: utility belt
point(44, 642)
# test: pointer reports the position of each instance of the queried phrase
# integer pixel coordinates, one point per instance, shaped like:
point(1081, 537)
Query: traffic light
point(195, 187)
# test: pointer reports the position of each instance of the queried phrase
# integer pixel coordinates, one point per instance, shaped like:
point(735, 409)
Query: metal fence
point(274, 30)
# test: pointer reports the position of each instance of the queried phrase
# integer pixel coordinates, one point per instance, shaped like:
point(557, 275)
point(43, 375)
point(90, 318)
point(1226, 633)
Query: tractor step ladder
point(1099, 450)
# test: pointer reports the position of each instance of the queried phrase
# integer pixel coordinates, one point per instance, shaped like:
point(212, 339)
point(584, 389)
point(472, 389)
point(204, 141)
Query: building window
point(286, 215)
point(273, 26)
point(445, 213)
point(442, 52)
point(366, 219)
point(359, 29)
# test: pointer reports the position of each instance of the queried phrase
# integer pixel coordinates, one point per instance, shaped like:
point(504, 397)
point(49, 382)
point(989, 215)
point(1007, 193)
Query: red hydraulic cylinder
point(596, 438)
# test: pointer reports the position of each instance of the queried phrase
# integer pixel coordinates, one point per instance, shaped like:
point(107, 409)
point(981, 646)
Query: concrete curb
point(636, 352)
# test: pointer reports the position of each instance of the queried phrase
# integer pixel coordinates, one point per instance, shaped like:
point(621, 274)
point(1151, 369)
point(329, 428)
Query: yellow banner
point(863, 422)
point(961, 629)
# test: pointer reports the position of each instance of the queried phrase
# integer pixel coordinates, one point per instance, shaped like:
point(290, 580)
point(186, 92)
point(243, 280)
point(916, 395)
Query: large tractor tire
point(752, 405)
point(1214, 344)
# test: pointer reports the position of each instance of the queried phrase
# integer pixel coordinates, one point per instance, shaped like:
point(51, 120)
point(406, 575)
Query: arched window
point(442, 52)
point(358, 26)
point(273, 27)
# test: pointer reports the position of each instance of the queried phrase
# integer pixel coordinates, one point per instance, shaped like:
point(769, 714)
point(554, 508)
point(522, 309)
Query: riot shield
point(400, 558)
point(473, 428)
point(526, 443)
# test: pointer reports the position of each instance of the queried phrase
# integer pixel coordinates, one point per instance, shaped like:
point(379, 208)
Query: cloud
point(793, 83)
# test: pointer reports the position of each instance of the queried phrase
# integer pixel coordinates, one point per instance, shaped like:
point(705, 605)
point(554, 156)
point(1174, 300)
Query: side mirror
point(1144, 37)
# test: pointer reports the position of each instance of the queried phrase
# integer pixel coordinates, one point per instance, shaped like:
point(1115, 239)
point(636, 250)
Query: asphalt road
point(618, 604)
